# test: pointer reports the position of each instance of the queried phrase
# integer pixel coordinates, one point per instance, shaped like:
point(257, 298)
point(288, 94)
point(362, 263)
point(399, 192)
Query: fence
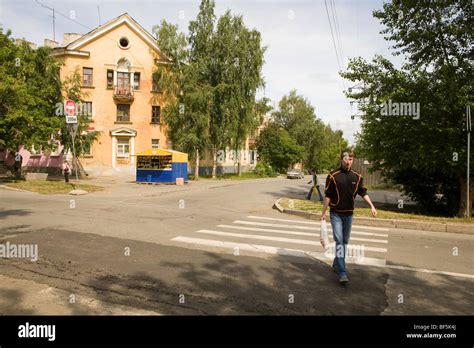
point(370, 179)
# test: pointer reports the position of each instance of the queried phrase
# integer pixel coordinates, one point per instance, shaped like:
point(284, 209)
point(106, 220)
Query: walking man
point(315, 183)
point(342, 186)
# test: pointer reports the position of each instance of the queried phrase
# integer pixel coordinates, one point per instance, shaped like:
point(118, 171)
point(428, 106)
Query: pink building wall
point(35, 162)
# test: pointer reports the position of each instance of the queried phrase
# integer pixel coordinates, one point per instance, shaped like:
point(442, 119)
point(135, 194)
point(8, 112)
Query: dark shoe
point(343, 280)
point(334, 269)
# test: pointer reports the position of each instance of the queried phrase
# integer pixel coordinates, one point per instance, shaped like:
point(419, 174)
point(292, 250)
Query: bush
point(264, 170)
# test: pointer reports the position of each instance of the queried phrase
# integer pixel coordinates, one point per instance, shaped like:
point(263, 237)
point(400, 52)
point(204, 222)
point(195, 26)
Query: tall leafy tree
point(29, 90)
point(186, 98)
point(243, 76)
point(321, 145)
point(83, 139)
point(436, 38)
point(277, 148)
point(210, 102)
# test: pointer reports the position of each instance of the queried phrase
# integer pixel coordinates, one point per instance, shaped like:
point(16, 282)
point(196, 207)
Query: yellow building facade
point(116, 63)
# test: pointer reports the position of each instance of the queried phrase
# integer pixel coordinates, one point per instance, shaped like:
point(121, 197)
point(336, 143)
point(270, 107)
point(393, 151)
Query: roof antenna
point(98, 10)
point(54, 19)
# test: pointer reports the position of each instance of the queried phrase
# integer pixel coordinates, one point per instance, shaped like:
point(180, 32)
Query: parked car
point(294, 174)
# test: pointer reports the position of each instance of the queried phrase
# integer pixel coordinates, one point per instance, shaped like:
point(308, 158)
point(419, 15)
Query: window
point(123, 113)
point(110, 79)
point(86, 109)
point(123, 147)
point(155, 143)
point(87, 76)
point(124, 42)
point(155, 114)
point(123, 83)
point(156, 82)
point(86, 148)
point(136, 80)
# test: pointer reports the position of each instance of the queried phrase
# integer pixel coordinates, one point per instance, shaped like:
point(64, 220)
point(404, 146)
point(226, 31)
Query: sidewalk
point(431, 226)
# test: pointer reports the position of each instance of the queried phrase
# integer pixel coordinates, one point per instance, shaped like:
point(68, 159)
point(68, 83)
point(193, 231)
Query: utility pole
point(468, 129)
point(98, 10)
point(54, 18)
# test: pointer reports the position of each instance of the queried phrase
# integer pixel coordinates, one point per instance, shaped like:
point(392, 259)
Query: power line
point(54, 18)
point(332, 34)
point(338, 33)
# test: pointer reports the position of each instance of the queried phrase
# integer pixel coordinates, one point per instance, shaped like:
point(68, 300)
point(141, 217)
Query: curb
point(13, 189)
point(448, 227)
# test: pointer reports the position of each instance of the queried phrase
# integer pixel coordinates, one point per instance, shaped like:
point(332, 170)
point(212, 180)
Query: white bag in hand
point(324, 235)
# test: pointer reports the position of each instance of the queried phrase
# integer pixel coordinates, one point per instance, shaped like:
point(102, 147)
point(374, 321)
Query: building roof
point(101, 30)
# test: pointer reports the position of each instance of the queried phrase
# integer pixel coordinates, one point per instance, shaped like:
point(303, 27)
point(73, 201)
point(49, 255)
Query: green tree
point(211, 83)
point(238, 71)
point(277, 148)
point(186, 96)
point(29, 90)
point(437, 41)
point(235, 75)
point(71, 88)
point(321, 145)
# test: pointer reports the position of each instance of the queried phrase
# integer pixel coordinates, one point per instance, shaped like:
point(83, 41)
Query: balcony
point(123, 94)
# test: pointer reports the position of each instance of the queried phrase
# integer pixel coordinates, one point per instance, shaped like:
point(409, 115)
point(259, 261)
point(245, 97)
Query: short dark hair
point(347, 152)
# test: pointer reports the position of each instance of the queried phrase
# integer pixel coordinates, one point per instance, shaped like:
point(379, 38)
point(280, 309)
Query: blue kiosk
point(162, 166)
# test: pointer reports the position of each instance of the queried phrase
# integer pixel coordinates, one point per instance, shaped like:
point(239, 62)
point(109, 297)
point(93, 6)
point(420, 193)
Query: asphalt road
point(216, 248)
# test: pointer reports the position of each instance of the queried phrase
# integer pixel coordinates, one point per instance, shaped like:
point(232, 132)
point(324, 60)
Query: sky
point(300, 50)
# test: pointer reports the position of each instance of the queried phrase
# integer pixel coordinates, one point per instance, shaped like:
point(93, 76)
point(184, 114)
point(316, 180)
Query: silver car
point(294, 174)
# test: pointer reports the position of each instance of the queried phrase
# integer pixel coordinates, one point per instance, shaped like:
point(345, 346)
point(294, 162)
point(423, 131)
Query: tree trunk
point(196, 168)
point(463, 190)
point(82, 173)
point(214, 164)
point(239, 160)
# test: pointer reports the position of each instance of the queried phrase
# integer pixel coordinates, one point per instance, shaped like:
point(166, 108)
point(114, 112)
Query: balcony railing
point(123, 93)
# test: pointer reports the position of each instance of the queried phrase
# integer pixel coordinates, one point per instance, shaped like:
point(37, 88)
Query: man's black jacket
point(342, 186)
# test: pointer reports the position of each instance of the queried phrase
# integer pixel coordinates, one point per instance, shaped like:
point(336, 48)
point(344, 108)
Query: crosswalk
point(262, 235)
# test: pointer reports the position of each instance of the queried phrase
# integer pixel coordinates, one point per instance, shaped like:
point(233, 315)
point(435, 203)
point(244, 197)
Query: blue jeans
point(341, 229)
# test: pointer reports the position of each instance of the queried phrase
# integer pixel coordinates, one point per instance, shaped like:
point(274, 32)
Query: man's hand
point(374, 211)
point(326, 202)
point(323, 216)
point(372, 208)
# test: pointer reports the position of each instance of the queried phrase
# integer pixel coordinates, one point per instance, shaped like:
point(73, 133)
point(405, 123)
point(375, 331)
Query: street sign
point(70, 107)
point(71, 119)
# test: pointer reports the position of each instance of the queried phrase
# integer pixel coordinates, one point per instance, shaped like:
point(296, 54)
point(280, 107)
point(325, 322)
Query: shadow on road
point(241, 285)
point(179, 281)
point(10, 300)
point(14, 212)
